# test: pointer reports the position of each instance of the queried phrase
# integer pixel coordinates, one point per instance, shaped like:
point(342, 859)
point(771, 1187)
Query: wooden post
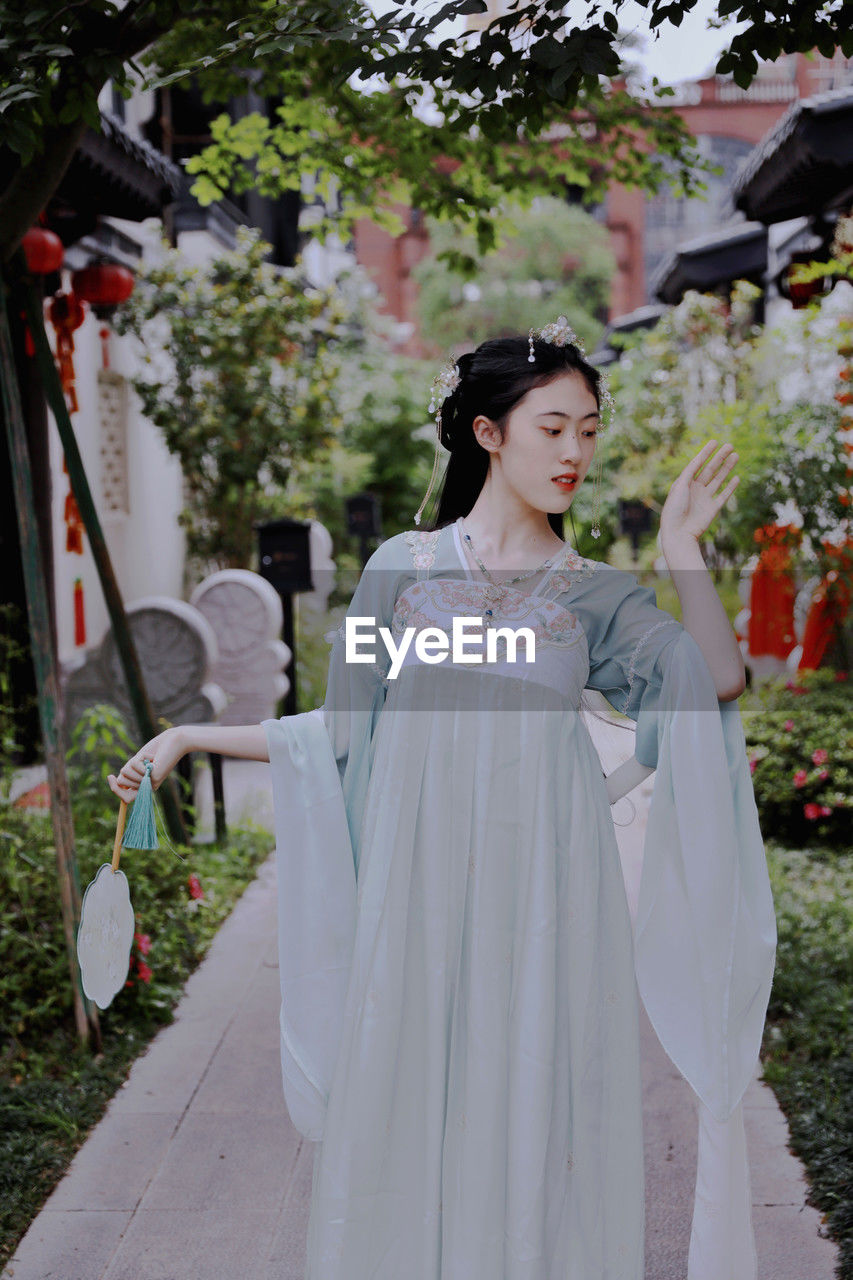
point(112, 596)
point(47, 683)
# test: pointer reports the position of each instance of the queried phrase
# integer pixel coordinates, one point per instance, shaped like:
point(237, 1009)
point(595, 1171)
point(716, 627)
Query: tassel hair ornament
point(444, 384)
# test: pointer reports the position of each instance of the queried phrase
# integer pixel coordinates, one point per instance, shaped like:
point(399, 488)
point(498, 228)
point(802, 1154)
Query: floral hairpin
point(559, 332)
point(444, 384)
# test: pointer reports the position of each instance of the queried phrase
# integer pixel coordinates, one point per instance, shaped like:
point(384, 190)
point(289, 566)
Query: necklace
point(495, 592)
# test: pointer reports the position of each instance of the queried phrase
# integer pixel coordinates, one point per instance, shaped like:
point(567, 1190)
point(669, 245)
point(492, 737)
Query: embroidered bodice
point(560, 658)
point(558, 650)
point(441, 588)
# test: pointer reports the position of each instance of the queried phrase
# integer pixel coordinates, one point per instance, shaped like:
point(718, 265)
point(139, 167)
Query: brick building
point(727, 122)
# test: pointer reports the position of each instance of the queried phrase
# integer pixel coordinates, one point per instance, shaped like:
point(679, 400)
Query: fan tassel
point(141, 830)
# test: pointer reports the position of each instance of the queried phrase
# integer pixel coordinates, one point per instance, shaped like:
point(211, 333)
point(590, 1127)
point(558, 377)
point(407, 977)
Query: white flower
point(838, 536)
point(788, 513)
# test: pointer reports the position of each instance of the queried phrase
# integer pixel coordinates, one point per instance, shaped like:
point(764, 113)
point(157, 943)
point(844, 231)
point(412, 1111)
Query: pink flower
point(819, 756)
point(194, 885)
point(800, 778)
point(824, 773)
point(789, 724)
point(811, 811)
point(143, 943)
point(145, 974)
point(752, 765)
point(825, 810)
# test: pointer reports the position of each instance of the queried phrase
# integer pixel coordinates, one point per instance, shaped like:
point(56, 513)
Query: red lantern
point(104, 285)
point(43, 251)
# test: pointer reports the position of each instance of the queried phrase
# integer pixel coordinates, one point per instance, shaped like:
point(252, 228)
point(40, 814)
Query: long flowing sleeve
point(355, 691)
point(628, 638)
point(705, 935)
point(320, 762)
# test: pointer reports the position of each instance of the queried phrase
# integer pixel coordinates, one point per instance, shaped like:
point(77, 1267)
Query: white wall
point(145, 542)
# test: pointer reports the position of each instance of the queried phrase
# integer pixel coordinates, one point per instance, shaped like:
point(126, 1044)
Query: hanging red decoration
point(829, 609)
point(66, 313)
point(771, 599)
point(29, 345)
point(43, 251)
point(103, 285)
point(79, 613)
point(104, 335)
point(73, 525)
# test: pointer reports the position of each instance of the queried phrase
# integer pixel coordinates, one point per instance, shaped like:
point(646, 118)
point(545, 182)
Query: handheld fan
point(105, 933)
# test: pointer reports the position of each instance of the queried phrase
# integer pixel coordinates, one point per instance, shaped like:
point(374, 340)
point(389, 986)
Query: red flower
point(825, 810)
point(789, 724)
point(194, 885)
point(145, 974)
point(800, 778)
point(811, 811)
point(841, 675)
point(143, 943)
point(819, 756)
point(752, 765)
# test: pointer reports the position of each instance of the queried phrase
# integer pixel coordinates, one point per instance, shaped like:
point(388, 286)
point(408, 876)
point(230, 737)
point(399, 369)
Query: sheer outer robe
point(705, 934)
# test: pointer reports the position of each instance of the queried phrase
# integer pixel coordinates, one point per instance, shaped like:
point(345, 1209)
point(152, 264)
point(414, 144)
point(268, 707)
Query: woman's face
point(550, 433)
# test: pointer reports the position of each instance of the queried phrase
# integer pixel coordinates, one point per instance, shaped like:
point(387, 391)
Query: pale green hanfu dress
point(459, 976)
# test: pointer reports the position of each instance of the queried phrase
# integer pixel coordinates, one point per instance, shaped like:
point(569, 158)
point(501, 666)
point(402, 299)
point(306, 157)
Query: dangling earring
point(531, 359)
point(594, 528)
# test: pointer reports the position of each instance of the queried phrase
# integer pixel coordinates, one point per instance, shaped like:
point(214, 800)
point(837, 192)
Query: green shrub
point(52, 1089)
point(808, 1038)
point(800, 745)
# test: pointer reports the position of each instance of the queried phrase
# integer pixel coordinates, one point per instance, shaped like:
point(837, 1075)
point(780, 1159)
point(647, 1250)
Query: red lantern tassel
point(79, 613)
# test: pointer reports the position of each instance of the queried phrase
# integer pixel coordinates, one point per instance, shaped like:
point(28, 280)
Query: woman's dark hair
point(493, 379)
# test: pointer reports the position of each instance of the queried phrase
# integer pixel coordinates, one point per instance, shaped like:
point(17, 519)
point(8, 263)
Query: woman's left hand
point(693, 500)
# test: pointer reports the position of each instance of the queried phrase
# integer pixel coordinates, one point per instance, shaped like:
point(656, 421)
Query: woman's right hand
point(164, 752)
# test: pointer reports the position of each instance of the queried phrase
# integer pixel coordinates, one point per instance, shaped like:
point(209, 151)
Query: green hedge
point(807, 1051)
point(799, 740)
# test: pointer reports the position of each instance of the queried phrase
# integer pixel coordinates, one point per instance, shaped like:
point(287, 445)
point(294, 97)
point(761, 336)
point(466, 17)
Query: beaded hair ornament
point(560, 333)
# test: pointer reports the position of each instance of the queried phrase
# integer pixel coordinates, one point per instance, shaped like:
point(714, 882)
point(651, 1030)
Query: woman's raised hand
point(164, 752)
point(693, 500)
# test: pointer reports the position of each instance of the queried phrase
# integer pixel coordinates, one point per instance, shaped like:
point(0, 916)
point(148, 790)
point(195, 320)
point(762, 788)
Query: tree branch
point(33, 185)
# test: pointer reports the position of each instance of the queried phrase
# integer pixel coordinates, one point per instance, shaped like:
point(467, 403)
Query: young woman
point(461, 1025)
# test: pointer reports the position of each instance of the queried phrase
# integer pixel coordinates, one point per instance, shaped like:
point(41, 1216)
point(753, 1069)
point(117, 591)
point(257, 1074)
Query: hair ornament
point(559, 332)
point(444, 384)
